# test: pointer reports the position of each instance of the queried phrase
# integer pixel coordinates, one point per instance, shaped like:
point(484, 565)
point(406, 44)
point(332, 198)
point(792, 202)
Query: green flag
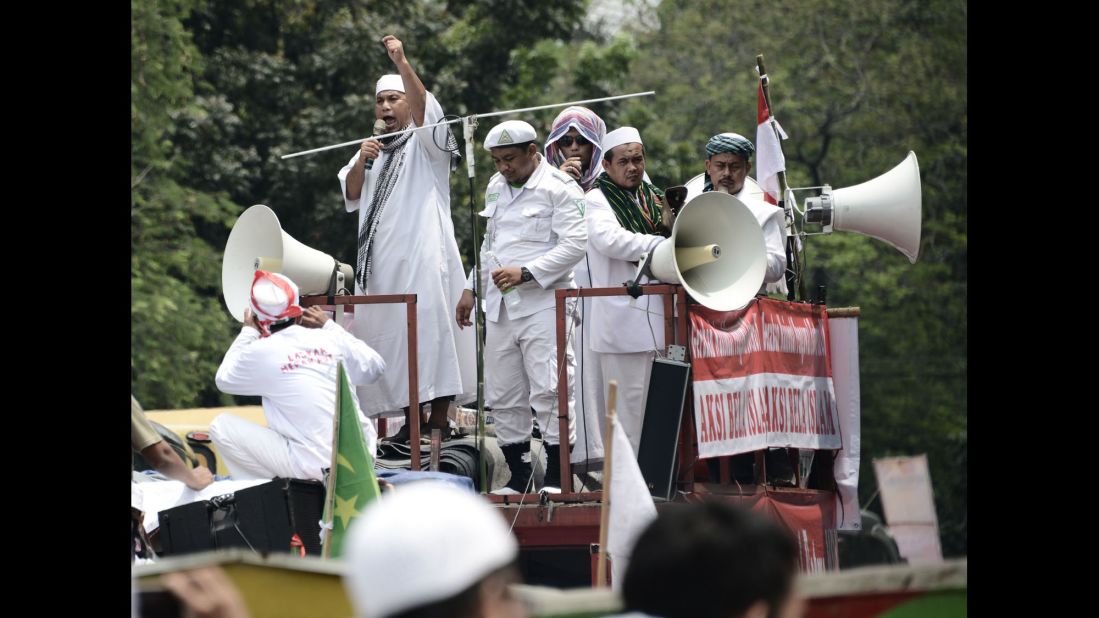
point(351, 481)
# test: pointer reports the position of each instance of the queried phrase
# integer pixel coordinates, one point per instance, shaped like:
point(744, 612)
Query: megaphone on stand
point(716, 251)
point(888, 208)
point(257, 241)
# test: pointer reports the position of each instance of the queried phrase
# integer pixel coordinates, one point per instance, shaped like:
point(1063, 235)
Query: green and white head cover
point(730, 142)
point(510, 133)
point(727, 142)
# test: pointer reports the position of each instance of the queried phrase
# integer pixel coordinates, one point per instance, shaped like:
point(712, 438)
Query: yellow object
point(183, 422)
point(274, 587)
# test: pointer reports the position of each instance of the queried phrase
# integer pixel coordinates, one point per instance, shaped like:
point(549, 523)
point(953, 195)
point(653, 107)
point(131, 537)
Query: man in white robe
point(624, 218)
point(407, 246)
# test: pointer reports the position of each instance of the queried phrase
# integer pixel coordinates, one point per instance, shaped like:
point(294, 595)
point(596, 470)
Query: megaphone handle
point(333, 280)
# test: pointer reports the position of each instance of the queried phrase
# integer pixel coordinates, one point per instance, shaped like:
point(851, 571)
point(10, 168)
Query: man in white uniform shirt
point(534, 237)
point(288, 357)
point(624, 221)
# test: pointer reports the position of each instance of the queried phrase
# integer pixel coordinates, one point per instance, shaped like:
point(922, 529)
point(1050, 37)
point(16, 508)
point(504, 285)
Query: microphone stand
point(489, 115)
point(469, 126)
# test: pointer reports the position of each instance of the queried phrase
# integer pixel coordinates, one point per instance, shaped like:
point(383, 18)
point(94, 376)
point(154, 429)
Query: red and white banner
point(762, 378)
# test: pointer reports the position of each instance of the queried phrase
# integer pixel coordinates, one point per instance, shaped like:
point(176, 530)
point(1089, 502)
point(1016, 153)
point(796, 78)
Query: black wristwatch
point(526, 274)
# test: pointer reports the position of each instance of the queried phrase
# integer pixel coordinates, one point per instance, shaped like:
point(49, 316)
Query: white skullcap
point(400, 555)
point(389, 82)
point(510, 133)
point(617, 137)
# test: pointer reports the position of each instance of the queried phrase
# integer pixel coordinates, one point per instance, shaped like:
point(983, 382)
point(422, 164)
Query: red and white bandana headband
point(288, 304)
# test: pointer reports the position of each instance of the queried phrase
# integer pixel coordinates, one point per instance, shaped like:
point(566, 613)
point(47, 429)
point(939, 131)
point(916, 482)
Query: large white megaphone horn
point(258, 242)
point(716, 251)
point(888, 208)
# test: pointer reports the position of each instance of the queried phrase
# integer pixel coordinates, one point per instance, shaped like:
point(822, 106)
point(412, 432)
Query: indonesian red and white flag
point(769, 159)
point(769, 162)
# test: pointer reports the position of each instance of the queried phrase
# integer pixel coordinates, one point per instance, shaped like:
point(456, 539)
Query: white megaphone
point(258, 242)
point(716, 251)
point(888, 208)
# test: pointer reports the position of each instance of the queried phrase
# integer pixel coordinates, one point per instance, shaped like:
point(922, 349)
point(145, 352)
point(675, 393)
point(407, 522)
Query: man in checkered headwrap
point(728, 161)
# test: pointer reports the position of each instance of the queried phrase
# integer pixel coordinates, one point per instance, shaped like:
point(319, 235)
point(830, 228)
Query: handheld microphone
point(379, 129)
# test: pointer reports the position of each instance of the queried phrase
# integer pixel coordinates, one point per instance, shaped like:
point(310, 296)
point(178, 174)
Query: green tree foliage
point(178, 327)
point(284, 76)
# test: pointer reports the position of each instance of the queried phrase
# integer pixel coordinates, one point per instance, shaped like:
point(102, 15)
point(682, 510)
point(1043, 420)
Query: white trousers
point(590, 408)
point(632, 372)
point(251, 451)
point(521, 373)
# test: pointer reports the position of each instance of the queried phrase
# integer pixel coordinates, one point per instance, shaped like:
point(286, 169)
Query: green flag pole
point(330, 490)
point(356, 485)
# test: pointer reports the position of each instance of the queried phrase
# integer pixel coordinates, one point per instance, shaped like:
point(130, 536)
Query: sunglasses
point(567, 141)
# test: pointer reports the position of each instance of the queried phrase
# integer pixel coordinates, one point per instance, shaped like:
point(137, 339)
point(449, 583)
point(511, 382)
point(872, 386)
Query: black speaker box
point(263, 518)
point(660, 430)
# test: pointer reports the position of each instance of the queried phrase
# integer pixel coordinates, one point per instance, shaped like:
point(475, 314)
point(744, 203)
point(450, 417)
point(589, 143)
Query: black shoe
point(401, 437)
point(552, 480)
point(518, 459)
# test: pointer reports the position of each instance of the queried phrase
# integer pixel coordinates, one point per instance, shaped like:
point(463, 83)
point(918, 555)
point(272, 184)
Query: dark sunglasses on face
point(567, 141)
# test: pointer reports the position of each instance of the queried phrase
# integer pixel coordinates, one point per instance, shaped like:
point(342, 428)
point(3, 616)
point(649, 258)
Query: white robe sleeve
point(433, 113)
point(237, 375)
point(774, 236)
point(351, 205)
point(363, 364)
point(609, 238)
